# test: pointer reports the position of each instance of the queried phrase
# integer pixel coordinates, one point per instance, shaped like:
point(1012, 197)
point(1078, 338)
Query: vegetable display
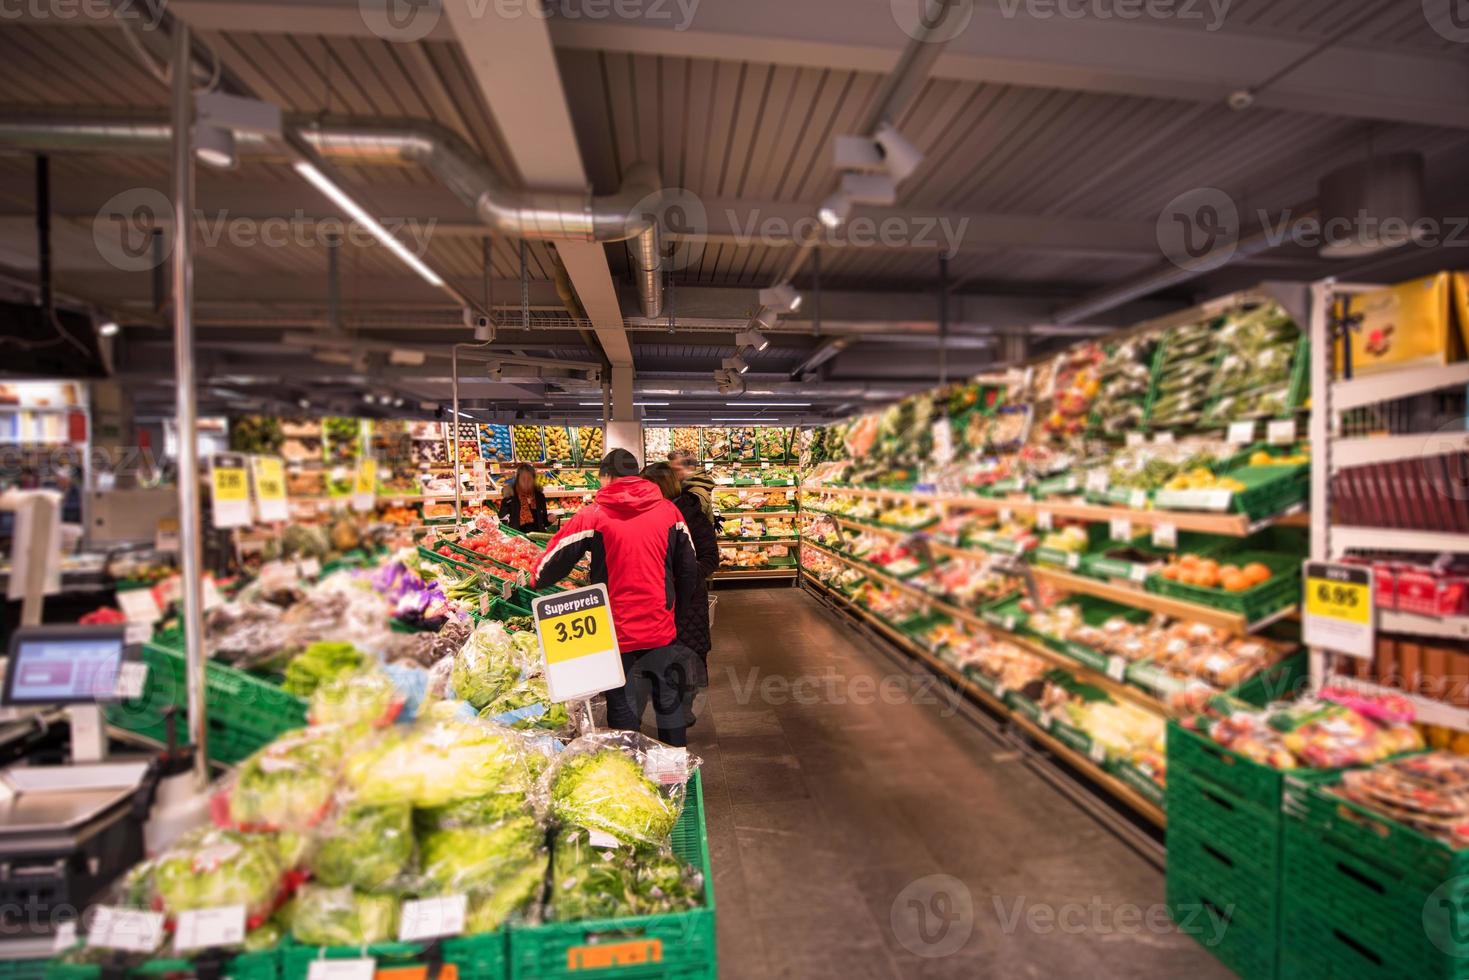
point(602, 787)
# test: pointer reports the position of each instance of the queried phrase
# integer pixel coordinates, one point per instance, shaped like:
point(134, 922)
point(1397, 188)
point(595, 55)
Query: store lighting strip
point(768, 404)
point(344, 201)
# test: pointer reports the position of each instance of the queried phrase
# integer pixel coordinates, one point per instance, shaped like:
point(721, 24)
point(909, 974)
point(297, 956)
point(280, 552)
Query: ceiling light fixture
point(737, 364)
point(343, 200)
point(304, 403)
point(900, 157)
point(215, 146)
point(752, 338)
point(783, 298)
point(835, 210)
point(878, 189)
point(108, 328)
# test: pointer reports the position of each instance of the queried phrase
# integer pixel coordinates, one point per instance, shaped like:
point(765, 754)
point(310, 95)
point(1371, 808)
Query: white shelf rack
point(1330, 542)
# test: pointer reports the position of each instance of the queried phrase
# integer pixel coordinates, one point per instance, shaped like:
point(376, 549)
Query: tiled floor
point(838, 786)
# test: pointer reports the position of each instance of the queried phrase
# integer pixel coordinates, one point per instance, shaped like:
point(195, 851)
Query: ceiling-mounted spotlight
point(737, 364)
point(370, 398)
point(900, 157)
point(305, 403)
point(215, 146)
point(752, 338)
point(834, 210)
point(108, 328)
point(397, 403)
point(730, 382)
point(482, 325)
point(782, 298)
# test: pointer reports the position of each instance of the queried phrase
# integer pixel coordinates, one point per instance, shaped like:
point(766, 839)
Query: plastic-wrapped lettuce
point(288, 783)
point(590, 882)
point(320, 662)
point(487, 665)
point(215, 867)
point(366, 697)
point(365, 847)
point(322, 916)
point(500, 866)
point(599, 783)
point(527, 705)
point(477, 812)
point(513, 898)
point(437, 762)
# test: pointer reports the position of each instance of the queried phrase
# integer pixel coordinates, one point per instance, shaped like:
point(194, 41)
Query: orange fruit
point(1170, 572)
point(1207, 578)
point(1209, 565)
point(1188, 561)
point(1235, 581)
point(1257, 572)
point(1227, 570)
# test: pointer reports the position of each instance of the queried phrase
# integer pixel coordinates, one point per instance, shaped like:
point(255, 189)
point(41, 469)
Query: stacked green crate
point(1365, 896)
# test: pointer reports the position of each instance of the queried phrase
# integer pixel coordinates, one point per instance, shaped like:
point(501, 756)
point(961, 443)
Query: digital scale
point(66, 831)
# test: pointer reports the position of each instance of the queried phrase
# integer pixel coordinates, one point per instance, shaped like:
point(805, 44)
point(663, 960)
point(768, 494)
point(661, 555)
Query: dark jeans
point(665, 676)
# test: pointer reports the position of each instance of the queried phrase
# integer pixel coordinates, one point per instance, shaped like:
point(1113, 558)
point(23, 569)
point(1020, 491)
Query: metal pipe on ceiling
point(630, 214)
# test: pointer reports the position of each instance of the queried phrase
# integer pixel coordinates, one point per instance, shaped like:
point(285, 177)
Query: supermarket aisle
point(831, 792)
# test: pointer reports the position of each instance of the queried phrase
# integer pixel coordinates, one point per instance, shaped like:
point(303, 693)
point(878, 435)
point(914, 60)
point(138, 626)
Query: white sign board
point(578, 643)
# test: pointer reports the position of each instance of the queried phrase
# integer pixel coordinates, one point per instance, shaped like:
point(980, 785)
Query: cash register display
point(63, 665)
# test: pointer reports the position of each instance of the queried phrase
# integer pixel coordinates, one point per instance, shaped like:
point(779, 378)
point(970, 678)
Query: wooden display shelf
point(728, 539)
point(1116, 787)
point(1177, 608)
point(787, 571)
point(1118, 689)
point(1229, 525)
point(758, 513)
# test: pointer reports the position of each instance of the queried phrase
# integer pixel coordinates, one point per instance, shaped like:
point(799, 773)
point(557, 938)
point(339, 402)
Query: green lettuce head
point(217, 867)
point(606, 790)
point(324, 916)
point(367, 847)
point(437, 763)
point(351, 699)
point(289, 782)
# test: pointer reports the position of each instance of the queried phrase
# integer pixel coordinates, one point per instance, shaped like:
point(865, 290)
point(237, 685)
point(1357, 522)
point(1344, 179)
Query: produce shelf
point(1038, 734)
point(1389, 385)
point(1393, 539)
point(738, 540)
point(1452, 627)
point(1222, 618)
point(759, 513)
point(788, 571)
point(1118, 689)
point(1229, 525)
point(1427, 711)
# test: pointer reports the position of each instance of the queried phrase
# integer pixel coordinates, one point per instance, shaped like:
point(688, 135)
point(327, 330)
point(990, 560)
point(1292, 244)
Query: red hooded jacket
point(641, 550)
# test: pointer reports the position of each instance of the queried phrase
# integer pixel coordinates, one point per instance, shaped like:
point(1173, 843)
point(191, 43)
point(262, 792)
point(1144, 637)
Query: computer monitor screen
point(63, 665)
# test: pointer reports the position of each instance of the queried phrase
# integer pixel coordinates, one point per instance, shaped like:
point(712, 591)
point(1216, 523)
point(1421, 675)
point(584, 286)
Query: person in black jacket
point(524, 506)
point(692, 617)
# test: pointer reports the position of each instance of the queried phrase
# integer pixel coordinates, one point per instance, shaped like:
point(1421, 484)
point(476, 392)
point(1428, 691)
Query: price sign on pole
point(1339, 608)
point(229, 483)
point(578, 643)
point(268, 473)
point(364, 485)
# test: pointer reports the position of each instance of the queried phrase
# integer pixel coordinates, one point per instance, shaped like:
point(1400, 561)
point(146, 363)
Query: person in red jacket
point(641, 549)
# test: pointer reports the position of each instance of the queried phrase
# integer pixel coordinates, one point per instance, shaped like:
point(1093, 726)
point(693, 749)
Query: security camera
point(1241, 99)
point(482, 325)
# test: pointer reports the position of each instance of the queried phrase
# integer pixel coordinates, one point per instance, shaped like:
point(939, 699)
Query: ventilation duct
point(1372, 206)
point(630, 215)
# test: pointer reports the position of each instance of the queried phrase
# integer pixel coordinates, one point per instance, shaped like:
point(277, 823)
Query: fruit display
point(1201, 478)
point(752, 499)
point(589, 444)
point(495, 443)
point(1076, 384)
point(773, 444)
point(745, 558)
point(559, 445)
point(468, 443)
point(686, 440)
point(528, 442)
point(1258, 350)
point(1072, 539)
point(715, 445)
point(343, 438)
point(430, 452)
point(257, 434)
point(1150, 466)
point(909, 517)
point(965, 582)
point(1209, 573)
point(401, 516)
point(1427, 792)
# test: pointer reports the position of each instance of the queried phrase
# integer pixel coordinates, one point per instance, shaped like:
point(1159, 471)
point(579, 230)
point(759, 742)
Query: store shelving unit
point(791, 512)
point(1335, 452)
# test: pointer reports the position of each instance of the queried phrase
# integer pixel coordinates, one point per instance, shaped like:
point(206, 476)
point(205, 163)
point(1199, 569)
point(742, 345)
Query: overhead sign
point(578, 643)
point(1339, 608)
point(268, 474)
point(229, 484)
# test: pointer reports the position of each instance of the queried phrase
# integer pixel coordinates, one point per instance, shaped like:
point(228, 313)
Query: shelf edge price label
point(1165, 536)
point(360, 968)
point(268, 474)
point(578, 642)
point(432, 918)
point(1339, 613)
point(1241, 433)
point(203, 928)
point(1281, 432)
point(126, 929)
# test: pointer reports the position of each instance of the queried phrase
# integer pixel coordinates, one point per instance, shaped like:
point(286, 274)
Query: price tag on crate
point(1121, 529)
point(203, 928)
point(1006, 515)
point(139, 606)
point(432, 918)
point(129, 930)
point(1164, 438)
point(1096, 753)
point(1281, 432)
point(66, 937)
point(132, 680)
point(1339, 612)
point(1241, 433)
point(358, 968)
point(1097, 481)
point(1044, 520)
point(578, 642)
point(1165, 536)
point(1116, 668)
point(1135, 439)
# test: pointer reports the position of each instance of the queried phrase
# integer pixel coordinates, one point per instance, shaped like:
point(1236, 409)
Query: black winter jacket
point(692, 617)
point(510, 512)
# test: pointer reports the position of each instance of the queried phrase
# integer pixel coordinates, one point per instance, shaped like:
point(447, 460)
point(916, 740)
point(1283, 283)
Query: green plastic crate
point(679, 946)
point(246, 966)
point(1238, 936)
point(24, 969)
point(479, 957)
point(1196, 756)
point(1374, 921)
point(1281, 681)
point(243, 712)
point(1281, 591)
point(1219, 838)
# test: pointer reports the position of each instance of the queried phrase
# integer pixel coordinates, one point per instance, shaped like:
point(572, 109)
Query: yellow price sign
point(230, 484)
point(1339, 613)
point(578, 642)
point(270, 478)
point(366, 476)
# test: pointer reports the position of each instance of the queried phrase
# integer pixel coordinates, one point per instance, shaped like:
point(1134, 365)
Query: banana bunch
point(1201, 479)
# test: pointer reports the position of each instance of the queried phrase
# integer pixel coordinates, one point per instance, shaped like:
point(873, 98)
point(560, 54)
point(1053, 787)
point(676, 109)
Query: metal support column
point(943, 320)
point(190, 556)
point(1320, 425)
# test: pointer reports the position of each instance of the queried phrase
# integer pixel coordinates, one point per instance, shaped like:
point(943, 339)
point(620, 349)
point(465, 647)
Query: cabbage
point(217, 867)
point(289, 782)
point(366, 848)
point(342, 917)
point(606, 790)
point(439, 762)
point(350, 699)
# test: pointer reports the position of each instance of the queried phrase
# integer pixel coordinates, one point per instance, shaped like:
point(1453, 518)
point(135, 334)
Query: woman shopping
point(524, 506)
